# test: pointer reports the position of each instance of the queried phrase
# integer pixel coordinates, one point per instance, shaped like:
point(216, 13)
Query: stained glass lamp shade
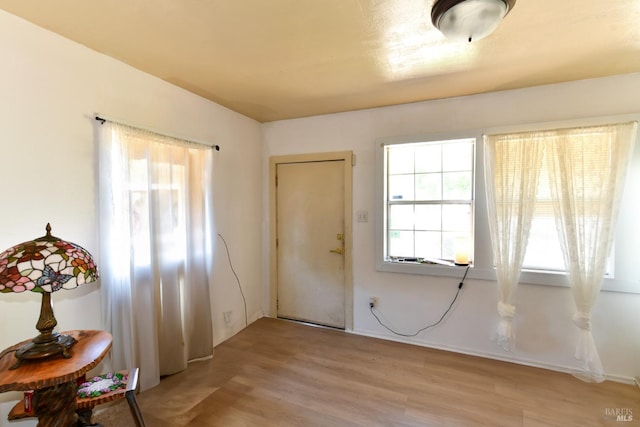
point(45, 265)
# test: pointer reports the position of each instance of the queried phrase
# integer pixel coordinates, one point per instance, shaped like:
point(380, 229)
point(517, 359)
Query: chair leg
point(133, 406)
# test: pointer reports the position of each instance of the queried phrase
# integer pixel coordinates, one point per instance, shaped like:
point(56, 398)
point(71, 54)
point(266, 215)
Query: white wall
point(545, 333)
point(50, 89)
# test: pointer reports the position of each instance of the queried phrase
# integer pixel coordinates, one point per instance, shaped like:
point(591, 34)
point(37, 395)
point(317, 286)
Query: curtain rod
point(102, 120)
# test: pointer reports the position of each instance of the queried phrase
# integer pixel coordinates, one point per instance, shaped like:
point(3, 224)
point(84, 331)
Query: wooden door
point(310, 199)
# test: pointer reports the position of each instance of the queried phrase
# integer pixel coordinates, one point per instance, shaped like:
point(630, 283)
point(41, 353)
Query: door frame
point(349, 162)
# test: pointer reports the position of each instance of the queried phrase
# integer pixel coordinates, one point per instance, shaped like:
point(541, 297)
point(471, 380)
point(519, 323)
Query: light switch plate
point(362, 216)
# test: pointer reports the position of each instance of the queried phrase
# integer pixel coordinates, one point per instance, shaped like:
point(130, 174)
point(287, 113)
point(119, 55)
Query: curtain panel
point(582, 172)
point(156, 239)
point(512, 167)
point(587, 169)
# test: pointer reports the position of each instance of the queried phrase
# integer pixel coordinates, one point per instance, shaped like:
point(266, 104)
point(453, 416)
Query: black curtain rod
point(101, 120)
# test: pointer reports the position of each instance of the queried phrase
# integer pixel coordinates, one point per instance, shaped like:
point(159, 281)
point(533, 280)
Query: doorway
point(310, 221)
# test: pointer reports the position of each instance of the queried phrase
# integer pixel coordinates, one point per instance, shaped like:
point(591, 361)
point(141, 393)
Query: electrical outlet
point(227, 316)
point(373, 301)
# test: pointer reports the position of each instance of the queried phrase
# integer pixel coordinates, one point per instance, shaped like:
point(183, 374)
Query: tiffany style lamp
point(45, 265)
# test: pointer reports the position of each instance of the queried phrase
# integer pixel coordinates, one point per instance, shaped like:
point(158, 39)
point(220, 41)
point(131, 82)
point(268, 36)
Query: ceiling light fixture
point(469, 20)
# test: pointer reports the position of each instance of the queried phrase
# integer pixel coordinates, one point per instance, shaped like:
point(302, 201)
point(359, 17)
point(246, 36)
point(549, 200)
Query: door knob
point(336, 251)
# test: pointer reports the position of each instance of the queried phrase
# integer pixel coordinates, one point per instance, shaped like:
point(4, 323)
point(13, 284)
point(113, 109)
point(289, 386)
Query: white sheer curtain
point(156, 234)
point(587, 167)
point(512, 167)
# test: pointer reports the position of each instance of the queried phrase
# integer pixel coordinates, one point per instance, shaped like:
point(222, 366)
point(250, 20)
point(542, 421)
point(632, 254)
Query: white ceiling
point(280, 59)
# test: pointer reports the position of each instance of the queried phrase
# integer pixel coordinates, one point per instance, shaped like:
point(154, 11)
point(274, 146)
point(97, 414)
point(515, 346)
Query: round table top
point(90, 349)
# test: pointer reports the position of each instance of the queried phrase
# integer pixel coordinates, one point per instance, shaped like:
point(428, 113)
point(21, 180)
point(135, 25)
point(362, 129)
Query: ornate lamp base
point(48, 343)
point(42, 347)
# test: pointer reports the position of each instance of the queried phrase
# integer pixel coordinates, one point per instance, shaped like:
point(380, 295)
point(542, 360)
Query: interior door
point(310, 242)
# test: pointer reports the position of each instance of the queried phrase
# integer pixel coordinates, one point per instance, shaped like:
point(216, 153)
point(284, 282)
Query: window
point(428, 199)
point(409, 238)
point(161, 186)
point(543, 248)
point(544, 253)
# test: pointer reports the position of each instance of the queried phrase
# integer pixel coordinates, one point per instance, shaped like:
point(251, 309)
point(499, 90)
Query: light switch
point(362, 216)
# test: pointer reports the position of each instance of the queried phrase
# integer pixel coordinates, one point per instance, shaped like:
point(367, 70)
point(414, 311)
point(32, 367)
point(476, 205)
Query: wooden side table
point(54, 380)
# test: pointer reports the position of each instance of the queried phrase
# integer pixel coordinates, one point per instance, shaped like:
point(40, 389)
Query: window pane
point(429, 186)
point(428, 217)
point(400, 243)
point(543, 248)
point(456, 217)
point(457, 156)
point(401, 187)
point(400, 160)
point(449, 246)
point(401, 217)
point(428, 244)
point(429, 158)
point(140, 229)
point(457, 185)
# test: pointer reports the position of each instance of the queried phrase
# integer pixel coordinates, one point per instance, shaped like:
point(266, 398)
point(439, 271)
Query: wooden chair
point(85, 405)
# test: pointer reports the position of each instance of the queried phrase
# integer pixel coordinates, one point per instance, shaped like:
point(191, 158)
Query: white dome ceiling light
point(469, 20)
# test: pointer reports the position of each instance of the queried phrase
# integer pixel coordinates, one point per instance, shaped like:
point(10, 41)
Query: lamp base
point(459, 264)
point(44, 346)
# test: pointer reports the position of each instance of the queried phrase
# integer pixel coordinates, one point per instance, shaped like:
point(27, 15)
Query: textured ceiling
point(280, 59)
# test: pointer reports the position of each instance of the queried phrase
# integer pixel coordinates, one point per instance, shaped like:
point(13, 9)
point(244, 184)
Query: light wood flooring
point(280, 373)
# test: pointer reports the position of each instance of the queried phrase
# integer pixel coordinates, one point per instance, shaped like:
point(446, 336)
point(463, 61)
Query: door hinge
point(277, 304)
point(276, 180)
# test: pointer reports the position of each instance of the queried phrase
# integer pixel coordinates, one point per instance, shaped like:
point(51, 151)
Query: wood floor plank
point(286, 374)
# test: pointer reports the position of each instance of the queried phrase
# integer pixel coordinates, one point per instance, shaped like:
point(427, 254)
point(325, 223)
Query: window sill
point(546, 278)
point(425, 269)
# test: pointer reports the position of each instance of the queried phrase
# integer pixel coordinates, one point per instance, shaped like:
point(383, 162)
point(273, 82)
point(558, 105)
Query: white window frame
point(626, 277)
point(421, 202)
